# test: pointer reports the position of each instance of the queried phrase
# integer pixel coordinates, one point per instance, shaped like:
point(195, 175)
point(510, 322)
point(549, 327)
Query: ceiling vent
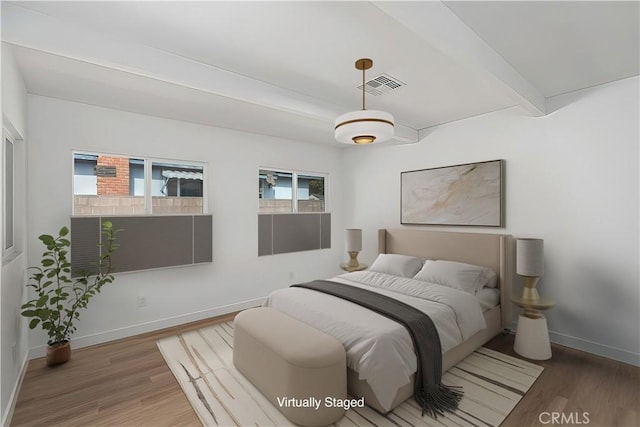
point(382, 84)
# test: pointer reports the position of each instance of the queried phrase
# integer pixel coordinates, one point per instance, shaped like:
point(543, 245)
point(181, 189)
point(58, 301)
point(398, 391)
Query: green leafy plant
point(59, 297)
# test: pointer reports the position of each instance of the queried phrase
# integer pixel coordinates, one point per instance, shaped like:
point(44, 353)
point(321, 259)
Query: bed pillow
point(398, 265)
point(488, 297)
point(466, 277)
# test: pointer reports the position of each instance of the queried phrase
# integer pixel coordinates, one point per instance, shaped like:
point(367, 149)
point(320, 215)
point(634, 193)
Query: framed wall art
point(470, 194)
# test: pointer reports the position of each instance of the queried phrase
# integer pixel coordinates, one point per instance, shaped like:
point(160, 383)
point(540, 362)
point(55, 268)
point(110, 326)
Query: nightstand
point(532, 335)
point(347, 267)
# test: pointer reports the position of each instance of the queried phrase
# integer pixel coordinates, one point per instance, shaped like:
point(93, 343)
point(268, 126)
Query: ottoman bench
point(293, 364)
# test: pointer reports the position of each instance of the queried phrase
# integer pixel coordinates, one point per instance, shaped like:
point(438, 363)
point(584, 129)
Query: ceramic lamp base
point(353, 259)
point(532, 338)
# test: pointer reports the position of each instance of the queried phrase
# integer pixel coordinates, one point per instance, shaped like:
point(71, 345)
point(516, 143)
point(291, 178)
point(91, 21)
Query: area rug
point(202, 362)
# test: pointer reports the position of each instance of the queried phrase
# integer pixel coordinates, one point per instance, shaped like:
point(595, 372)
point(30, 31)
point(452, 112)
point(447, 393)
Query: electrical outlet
point(142, 301)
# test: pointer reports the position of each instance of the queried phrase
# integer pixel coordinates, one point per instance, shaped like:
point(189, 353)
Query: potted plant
point(59, 297)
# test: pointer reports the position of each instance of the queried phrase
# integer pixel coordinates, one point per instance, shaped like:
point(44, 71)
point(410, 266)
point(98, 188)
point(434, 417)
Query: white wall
point(571, 179)
point(13, 345)
point(237, 278)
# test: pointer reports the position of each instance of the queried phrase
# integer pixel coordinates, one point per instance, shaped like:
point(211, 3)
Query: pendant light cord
point(363, 107)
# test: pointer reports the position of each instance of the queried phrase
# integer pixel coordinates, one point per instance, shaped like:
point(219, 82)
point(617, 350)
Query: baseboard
point(595, 348)
point(8, 415)
point(114, 334)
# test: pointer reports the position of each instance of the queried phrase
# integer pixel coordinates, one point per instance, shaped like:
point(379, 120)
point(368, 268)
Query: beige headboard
point(489, 250)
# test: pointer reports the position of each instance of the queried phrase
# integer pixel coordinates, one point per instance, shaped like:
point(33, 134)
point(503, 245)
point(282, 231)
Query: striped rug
point(202, 363)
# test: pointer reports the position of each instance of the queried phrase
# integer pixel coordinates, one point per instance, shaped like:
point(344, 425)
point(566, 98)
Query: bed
point(385, 382)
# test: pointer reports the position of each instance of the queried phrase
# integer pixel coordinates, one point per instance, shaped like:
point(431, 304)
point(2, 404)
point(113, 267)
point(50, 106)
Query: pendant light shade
point(364, 126)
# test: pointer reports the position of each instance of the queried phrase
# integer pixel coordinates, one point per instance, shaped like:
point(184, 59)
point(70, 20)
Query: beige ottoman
point(292, 364)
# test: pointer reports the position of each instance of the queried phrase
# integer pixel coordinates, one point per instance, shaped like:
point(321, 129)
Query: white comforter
point(378, 348)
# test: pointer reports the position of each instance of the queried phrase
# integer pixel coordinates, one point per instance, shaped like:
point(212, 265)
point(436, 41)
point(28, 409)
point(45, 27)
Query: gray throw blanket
point(433, 397)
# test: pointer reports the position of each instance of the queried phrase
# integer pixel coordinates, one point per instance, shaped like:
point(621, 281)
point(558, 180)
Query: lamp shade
point(364, 127)
point(354, 239)
point(530, 257)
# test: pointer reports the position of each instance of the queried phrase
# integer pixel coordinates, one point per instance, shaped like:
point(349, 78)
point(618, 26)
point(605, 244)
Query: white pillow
point(493, 279)
point(398, 265)
point(488, 297)
point(466, 277)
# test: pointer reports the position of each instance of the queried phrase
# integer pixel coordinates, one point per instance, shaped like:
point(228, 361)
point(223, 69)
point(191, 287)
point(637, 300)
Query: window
point(8, 201)
point(310, 193)
point(107, 185)
point(276, 190)
point(120, 185)
point(176, 188)
point(292, 212)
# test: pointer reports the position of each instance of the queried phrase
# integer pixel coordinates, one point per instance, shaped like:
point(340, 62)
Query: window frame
point(8, 139)
point(147, 173)
point(294, 189)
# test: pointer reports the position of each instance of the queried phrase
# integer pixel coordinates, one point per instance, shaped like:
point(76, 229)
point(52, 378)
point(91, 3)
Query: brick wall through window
point(114, 185)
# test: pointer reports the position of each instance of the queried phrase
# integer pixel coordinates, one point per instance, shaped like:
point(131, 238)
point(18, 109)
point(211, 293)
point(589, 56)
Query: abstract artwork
point(468, 194)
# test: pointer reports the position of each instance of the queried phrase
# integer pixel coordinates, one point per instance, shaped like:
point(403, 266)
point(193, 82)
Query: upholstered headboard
point(489, 250)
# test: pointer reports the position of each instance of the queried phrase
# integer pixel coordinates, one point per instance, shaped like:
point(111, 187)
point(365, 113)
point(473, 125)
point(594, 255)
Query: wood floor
point(127, 383)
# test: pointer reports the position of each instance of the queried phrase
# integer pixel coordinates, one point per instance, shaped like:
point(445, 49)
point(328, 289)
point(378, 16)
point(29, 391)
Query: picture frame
point(469, 194)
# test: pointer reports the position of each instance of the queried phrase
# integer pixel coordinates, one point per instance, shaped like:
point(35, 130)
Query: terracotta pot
point(59, 353)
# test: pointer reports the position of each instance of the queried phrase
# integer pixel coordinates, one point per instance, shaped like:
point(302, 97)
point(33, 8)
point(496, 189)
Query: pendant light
point(364, 126)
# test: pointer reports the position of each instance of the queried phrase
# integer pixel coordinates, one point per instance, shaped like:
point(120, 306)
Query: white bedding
point(378, 348)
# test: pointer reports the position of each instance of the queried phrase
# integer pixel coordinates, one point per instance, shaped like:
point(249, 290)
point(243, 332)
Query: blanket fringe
point(439, 399)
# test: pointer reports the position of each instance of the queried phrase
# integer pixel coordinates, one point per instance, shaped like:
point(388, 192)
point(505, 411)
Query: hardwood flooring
point(587, 389)
point(120, 383)
point(127, 383)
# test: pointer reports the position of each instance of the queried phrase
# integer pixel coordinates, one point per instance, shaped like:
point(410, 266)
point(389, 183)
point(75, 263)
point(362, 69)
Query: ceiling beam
point(404, 134)
point(27, 28)
point(34, 30)
point(436, 24)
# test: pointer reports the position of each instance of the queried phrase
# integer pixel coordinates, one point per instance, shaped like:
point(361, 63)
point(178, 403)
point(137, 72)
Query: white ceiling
point(286, 69)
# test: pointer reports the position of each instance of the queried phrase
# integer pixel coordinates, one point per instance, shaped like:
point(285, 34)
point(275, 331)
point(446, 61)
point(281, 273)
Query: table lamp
point(354, 245)
point(530, 265)
point(532, 337)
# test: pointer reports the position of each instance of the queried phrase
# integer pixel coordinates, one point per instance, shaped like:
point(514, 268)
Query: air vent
point(382, 84)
